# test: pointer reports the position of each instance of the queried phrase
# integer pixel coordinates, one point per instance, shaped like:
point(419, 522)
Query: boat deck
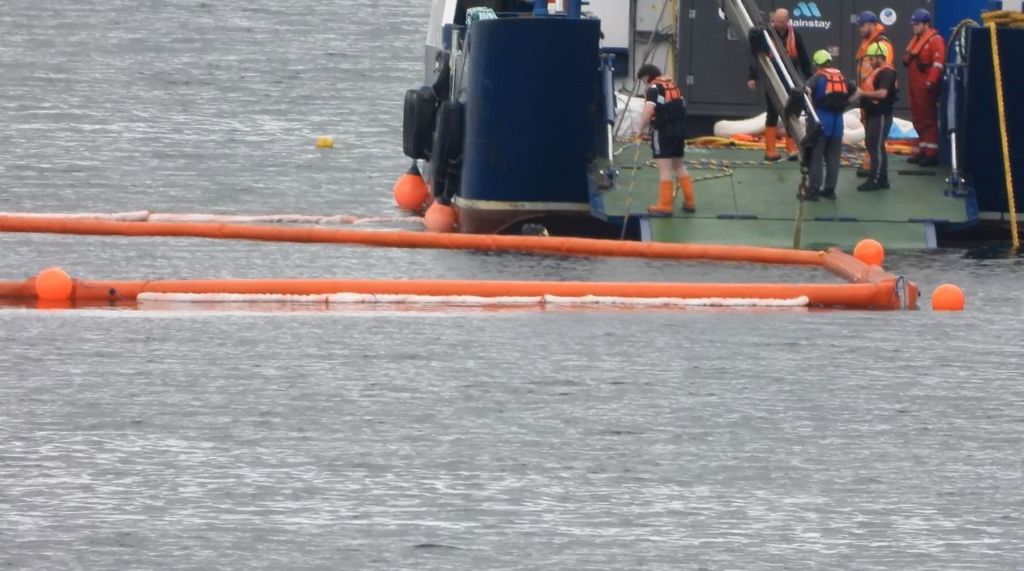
point(742, 200)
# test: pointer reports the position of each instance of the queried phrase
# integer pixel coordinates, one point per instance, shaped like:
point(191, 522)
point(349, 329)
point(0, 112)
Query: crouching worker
point(665, 113)
point(830, 94)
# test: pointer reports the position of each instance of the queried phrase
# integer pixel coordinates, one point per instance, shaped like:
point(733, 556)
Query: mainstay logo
point(807, 15)
point(807, 10)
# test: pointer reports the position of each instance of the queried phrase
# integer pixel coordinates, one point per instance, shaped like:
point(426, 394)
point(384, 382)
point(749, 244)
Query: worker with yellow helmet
point(830, 94)
point(878, 93)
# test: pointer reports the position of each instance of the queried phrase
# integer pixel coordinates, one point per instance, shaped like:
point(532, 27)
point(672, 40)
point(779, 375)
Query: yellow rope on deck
point(1001, 104)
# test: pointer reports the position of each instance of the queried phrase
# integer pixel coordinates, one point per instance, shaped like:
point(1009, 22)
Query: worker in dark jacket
point(797, 53)
point(871, 32)
point(878, 94)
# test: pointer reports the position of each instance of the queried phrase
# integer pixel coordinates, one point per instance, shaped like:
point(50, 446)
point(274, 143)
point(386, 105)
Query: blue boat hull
point(532, 120)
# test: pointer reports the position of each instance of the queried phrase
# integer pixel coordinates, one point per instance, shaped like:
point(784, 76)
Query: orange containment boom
point(53, 285)
point(406, 239)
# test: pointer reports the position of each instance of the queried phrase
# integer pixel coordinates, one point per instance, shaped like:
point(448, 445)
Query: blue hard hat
point(921, 16)
point(867, 17)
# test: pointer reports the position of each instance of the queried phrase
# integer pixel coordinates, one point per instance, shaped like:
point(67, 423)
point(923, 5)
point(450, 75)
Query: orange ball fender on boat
point(410, 191)
point(440, 218)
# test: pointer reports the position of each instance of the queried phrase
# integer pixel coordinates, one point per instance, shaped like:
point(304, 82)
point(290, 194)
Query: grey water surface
point(436, 438)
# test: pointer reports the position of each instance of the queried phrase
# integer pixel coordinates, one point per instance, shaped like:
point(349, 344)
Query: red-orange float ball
point(440, 218)
point(411, 192)
point(53, 284)
point(869, 251)
point(948, 297)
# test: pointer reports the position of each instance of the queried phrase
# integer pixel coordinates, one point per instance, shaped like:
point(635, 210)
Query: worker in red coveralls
point(925, 60)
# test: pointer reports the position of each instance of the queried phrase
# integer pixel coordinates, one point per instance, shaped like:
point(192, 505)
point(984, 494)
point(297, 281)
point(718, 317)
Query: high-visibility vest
point(669, 90)
point(877, 36)
point(869, 84)
point(834, 81)
point(670, 108)
point(837, 93)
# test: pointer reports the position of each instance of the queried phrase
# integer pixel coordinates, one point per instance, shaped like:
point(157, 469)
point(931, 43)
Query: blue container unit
point(982, 139)
point(532, 113)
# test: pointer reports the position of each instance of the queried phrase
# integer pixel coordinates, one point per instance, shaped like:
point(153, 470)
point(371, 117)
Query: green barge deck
point(743, 200)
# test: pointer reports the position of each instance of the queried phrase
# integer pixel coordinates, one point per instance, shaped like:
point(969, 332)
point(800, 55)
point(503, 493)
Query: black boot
point(928, 161)
point(870, 186)
point(829, 193)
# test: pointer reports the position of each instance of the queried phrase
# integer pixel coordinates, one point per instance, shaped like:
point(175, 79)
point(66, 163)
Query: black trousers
point(877, 133)
point(825, 163)
point(772, 120)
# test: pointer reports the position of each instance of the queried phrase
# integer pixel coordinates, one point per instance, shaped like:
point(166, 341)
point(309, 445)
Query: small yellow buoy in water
point(410, 191)
point(53, 284)
point(948, 297)
point(869, 251)
point(440, 218)
point(325, 142)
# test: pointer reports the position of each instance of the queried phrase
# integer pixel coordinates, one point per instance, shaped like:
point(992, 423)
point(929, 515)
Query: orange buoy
point(948, 297)
point(410, 191)
point(440, 218)
point(53, 284)
point(869, 251)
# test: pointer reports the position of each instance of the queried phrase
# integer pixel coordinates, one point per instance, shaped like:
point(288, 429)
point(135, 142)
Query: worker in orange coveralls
point(925, 59)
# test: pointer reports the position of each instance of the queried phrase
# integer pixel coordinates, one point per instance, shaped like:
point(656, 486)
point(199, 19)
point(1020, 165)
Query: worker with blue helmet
point(925, 60)
point(872, 32)
point(921, 16)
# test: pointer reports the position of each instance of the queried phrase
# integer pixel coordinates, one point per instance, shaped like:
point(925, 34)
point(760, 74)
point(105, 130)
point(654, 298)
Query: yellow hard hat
point(877, 50)
point(821, 57)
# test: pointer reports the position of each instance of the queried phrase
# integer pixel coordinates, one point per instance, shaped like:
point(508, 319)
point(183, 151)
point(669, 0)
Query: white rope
point(467, 300)
point(147, 216)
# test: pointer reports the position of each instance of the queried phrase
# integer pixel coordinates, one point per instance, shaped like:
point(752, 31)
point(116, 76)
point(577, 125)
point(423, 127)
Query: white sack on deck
point(853, 132)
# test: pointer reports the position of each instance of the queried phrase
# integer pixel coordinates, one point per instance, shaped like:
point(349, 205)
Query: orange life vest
point(670, 109)
point(791, 42)
point(917, 44)
point(869, 84)
point(834, 81)
point(669, 89)
point(837, 93)
point(877, 37)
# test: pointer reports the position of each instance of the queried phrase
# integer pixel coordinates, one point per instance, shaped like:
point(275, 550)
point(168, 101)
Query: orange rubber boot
point(790, 145)
point(689, 200)
point(664, 205)
point(770, 136)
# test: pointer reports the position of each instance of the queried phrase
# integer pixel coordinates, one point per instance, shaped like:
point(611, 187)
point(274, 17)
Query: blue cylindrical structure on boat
point(531, 109)
point(981, 140)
